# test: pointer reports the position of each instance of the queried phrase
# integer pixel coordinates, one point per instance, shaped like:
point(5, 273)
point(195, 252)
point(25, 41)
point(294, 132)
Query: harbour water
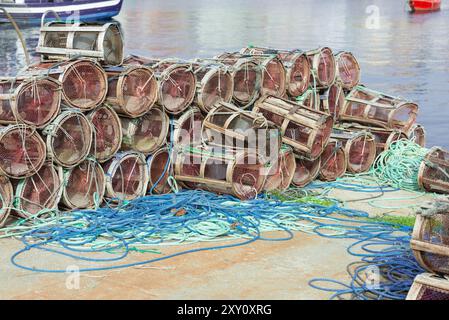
point(400, 53)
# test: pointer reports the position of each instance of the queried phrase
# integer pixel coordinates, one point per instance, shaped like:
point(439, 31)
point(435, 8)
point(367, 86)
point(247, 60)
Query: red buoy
point(425, 5)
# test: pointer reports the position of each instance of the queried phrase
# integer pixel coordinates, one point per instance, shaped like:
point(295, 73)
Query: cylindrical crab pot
point(247, 78)
point(33, 101)
point(147, 133)
point(107, 133)
point(430, 242)
point(429, 287)
point(333, 162)
point(6, 199)
point(187, 129)
point(22, 151)
point(434, 171)
point(39, 193)
point(160, 169)
point(306, 171)
point(132, 90)
point(227, 125)
point(62, 40)
point(69, 138)
point(296, 65)
point(324, 67)
point(84, 82)
point(281, 171)
point(375, 108)
point(417, 134)
point(348, 70)
point(360, 149)
point(240, 174)
point(177, 84)
point(84, 186)
point(307, 131)
point(332, 101)
point(214, 84)
point(126, 176)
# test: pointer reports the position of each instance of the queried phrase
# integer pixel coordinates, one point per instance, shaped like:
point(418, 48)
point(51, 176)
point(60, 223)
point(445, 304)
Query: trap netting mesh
point(335, 101)
point(84, 85)
point(177, 89)
point(23, 151)
point(417, 134)
point(298, 74)
point(435, 230)
point(107, 133)
point(188, 128)
point(134, 90)
point(429, 293)
point(38, 193)
point(248, 176)
point(434, 172)
point(69, 138)
point(326, 67)
point(348, 70)
point(34, 101)
point(273, 77)
point(306, 171)
point(246, 78)
point(127, 177)
point(361, 153)
point(147, 133)
point(333, 162)
point(216, 85)
point(84, 186)
point(281, 172)
point(6, 198)
point(159, 166)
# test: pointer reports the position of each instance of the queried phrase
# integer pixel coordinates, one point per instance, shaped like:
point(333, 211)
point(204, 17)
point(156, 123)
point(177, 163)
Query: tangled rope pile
point(399, 166)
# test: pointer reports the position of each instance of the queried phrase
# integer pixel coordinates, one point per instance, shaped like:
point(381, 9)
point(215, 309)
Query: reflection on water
point(406, 56)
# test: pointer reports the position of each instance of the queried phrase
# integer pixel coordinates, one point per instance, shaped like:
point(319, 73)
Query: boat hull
point(425, 5)
point(83, 10)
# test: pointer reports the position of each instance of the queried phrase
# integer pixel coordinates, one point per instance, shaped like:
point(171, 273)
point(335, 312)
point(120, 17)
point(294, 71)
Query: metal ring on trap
point(126, 176)
point(417, 134)
point(160, 170)
point(434, 171)
point(281, 172)
point(360, 149)
point(188, 127)
point(429, 287)
point(247, 78)
point(107, 133)
point(84, 186)
point(371, 107)
point(240, 173)
point(33, 101)
point(323, 66)
point(333, 162)
point(214, 84)
point(229, 126)
point(306, 171)
point(430, 241)
point(39, 193)
point(147, 133)
point(307, 131)
point(84, 82)
point(62, 40)
point(296, 65)
point(22, 151)
point(69, 138)
point(348, 70)
point(6, 199)
point(132, 90)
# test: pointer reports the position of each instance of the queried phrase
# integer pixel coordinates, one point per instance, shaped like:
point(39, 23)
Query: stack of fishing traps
point(86, 125)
